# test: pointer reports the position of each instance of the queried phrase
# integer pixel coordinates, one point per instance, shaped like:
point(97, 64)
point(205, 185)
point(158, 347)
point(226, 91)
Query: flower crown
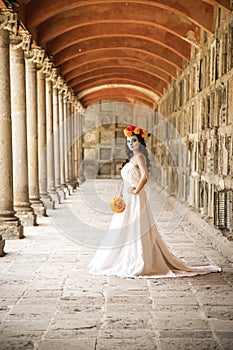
point(131, 129)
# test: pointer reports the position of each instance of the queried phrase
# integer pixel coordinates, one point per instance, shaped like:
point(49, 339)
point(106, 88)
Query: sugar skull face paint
point(132, 142)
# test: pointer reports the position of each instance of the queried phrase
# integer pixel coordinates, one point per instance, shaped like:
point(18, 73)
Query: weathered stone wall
point(103, 140)
point(198, 109)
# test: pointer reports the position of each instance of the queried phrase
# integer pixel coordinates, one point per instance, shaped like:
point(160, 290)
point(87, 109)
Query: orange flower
point(128, 133)
point(144, 134)
point(137, 131)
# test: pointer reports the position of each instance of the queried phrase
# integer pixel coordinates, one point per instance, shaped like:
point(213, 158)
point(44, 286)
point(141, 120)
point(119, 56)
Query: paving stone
point(117, 291)
point(190, 300)
point(127, 308)
point(128, 300)
point(191, 334)
point(140, 334)
point(16, 344)
point(182, 324)
point(73, 344)
point(226, 344)
point(75, 323)
point(128, 323)
point(48, 299)
point(126, 344)
point(222, 325)
point(177, 311)
point(219, 312)
point(73, 306)
point(189, 344)
point(64, 334)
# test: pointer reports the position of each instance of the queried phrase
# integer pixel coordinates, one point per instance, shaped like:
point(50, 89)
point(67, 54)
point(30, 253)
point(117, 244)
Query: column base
point(75, 184)
point(66, 192)
point(38, 208)
point(70, 188)
point(11, 229)
point(2, 245)
point(47, 201)
point(27, 217)
point(55, 198)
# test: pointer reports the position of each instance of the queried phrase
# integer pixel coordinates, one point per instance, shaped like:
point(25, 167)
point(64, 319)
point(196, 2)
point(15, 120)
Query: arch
point(95, 42)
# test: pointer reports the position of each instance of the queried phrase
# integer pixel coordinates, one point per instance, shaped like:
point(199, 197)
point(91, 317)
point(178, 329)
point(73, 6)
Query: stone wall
point(194, 129)
point(103, 139)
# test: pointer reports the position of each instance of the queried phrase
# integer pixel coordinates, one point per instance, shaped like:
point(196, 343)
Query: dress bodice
point(131, 173)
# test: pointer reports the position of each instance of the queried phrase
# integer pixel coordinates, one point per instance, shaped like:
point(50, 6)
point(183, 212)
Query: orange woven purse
point(117, 205)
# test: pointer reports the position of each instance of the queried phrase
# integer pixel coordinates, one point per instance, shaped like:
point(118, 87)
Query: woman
point(133, 247)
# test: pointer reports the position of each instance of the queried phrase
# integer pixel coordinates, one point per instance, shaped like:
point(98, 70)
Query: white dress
point(133, 247)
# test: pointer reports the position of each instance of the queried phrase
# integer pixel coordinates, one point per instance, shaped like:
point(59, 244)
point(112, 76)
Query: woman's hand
point(131, 190)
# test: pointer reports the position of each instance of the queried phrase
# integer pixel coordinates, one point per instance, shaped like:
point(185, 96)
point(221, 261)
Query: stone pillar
point(22, 205)
point(42, 150)
point(50, 141)
point(75, 136)
point(32, 135)
point(61, 138)
point(57, 177)
point(65, 148)
point(10, 225)
point(73, 144)
point(81, 176)
point(69, 148)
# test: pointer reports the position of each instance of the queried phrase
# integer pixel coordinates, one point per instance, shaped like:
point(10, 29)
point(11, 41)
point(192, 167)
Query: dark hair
point(142, 148)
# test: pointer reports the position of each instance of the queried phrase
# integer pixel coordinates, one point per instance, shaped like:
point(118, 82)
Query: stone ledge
point(218, 240)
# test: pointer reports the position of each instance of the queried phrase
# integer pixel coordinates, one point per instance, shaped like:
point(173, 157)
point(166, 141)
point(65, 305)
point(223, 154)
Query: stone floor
point(48, 301)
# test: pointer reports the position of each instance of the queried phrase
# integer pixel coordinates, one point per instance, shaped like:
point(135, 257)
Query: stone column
point(69, 143)
point(32, 133)
point(50, 141)
point(61, 137)
point(10, 225)
point(56, 135)
point(81, 176)
point(22, 205)
point(42, 150)
point(65, 147)
point(75, 136)
point(73, 144)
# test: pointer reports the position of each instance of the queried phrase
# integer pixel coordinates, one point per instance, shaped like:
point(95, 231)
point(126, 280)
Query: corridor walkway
point(49, 302)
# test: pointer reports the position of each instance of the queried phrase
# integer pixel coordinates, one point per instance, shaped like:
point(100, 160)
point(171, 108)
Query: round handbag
point(117, 205)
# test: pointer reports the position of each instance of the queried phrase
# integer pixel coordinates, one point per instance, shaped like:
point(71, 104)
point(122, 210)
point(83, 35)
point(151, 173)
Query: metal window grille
point(223, 216)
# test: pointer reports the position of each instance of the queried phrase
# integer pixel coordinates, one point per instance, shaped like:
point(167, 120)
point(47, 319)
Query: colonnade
point(40, 129)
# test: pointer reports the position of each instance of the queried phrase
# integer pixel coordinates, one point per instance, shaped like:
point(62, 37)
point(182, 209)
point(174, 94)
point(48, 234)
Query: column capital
point(8, 20)
point(67, 92)
point(47, 67)
point(79, 107)
point(35, 55)
point(60, 84)
point(54, 76)
point(21, 40)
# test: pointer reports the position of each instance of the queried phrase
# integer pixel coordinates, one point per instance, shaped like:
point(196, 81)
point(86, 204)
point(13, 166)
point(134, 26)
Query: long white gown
point(133, 247)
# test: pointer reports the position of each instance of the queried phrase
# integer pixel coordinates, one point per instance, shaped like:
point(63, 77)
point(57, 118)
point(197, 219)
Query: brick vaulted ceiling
point(124, 51)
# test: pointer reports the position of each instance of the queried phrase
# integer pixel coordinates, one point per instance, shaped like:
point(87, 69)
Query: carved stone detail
point(47, 66)
point(21, 40)
point(35, 55)
point(8, 20)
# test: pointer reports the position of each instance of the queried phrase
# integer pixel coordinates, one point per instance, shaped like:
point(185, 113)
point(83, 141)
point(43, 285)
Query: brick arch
point(85, 36)
point(115, 65)
point(119, 94)
point(118, 54)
